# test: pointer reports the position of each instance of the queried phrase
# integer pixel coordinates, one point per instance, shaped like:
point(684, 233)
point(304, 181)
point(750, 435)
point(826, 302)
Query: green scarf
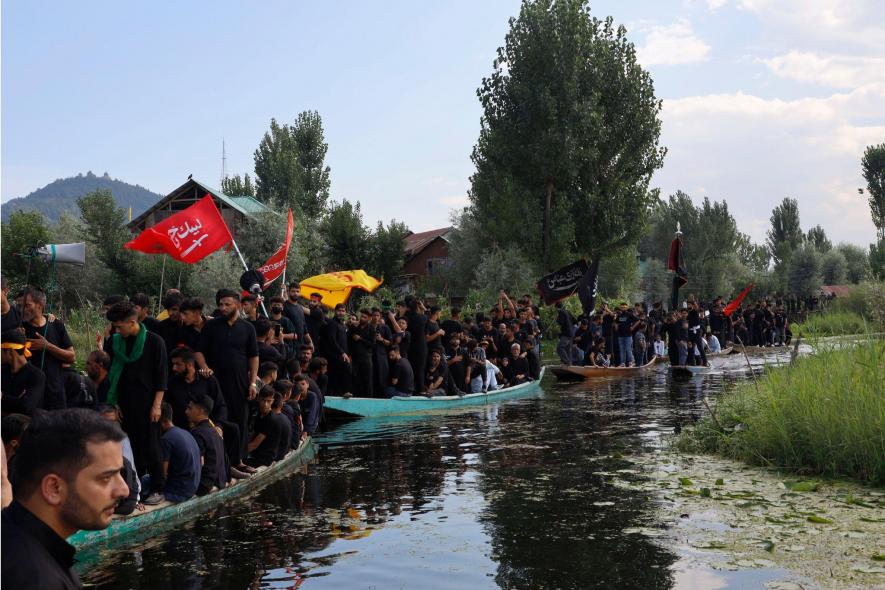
point(121, 359)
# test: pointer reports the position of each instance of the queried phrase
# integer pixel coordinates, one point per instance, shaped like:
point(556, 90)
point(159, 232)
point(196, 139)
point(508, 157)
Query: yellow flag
point(335, 287)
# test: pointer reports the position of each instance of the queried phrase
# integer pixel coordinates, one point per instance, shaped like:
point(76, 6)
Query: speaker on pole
point(64, 253)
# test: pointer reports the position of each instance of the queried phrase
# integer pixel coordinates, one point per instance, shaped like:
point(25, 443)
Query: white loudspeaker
point(64, 253)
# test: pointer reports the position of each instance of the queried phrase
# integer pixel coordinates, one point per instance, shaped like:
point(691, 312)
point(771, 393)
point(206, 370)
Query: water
point(502, 496)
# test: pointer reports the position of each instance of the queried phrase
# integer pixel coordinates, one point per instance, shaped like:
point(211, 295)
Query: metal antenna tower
point(223, 162)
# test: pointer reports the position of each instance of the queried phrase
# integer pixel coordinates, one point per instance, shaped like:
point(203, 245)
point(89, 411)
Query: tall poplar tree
point(569, 135)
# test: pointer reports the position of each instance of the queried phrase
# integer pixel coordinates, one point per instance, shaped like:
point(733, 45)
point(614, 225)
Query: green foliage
point(877, 260)
point(656, 281)
point(831, 323)
point(234, 186)
point(822, 415)
point(570, 129)
point(347, 239)
point(818, 238)
point(24, 231)
point(833, 267)
point(508, 268)
point(785, 235)
point(873, 167)
point(857, 262)
point(61, 195)
point(864, 300)
point(289, 166)
point(386, 250)
point(78, 285)
point(83, 323)
point(619, 274)
point(804, 276)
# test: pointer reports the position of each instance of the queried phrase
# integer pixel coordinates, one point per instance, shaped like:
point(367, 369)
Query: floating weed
point(684, 481)
point(878, 557)
point(819, 519)
point(705, 492)
point(802, 486)
point(720, 482)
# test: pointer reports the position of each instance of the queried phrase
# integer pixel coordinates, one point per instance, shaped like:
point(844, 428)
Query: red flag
point(732, 307)
point(189, 235)
point(276, 264)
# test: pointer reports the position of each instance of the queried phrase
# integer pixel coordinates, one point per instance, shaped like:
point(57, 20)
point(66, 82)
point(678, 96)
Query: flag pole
point(246, 267)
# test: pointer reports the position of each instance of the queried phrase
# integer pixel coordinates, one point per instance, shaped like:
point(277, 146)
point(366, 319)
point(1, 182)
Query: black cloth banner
point(676, 262)
point(562, 283)
point(587, 288)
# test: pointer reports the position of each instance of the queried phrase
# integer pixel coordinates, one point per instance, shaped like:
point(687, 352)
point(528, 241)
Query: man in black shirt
point(214, 473)
point(23, 384)
point(170, 328)
point(696, 332)
point(138, 377)
point(416, 324)
point(286, 333)
point(362, 346)
point(12, 319)
point(383, 340)
point(294, 312)
point(517, 370)
point(268, 348)
point(434, 334)
point(456, 360)
point(229, 350)
point(625, 322)
point(435, 375)
point(566, 334)
point(68, 478)
point(50, 347)
point(452, 325)
point(334, 339)
point(98, 363)
point(402, 380)
point(192, 322)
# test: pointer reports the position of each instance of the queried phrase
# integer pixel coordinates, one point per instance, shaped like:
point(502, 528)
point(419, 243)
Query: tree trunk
point(545, 247)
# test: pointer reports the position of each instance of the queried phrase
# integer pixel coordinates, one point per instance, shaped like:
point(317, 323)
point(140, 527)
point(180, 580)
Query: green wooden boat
point(123, 530)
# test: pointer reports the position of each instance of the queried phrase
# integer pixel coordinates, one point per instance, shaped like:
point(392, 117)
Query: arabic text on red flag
point(276, 264)
point(188, 236)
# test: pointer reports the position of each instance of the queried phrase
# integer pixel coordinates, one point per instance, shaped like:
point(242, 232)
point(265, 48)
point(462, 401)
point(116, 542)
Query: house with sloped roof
point(427, 253)
point(233, 208)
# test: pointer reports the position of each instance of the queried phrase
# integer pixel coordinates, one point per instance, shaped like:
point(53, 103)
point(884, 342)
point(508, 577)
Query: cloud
point(849, 22)
point(714, 5)
point(674, 44)
point(455, 200)
point(834, 71)
point(754, 151)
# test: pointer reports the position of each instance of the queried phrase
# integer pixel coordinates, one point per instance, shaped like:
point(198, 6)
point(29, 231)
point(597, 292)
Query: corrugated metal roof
point(414, 243)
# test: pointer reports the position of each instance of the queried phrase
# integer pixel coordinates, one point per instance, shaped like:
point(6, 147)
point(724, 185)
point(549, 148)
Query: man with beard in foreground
point(67, 478)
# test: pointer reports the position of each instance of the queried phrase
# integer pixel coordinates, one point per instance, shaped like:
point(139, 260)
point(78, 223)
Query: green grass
point(834, 323)
point(823, 415)
point(82, 325)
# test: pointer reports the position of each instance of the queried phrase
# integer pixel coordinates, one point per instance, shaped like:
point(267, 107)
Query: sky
point(762, 99)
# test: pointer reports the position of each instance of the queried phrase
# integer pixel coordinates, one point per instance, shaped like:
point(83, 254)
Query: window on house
point(436, 266)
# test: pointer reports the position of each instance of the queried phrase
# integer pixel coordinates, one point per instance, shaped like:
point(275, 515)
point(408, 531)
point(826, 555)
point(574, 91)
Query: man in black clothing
point(402, 380)
point(192, 322)
point(625, 322)
point(452, 325)
point(456, 360)
point(416, 323)
point(68, 478)
point(315, 321)
point(434, 334)
point(23, 384)
point(187, 384)
point(285, 333)
point(268, 350)
point(383, 341)
point(435, 375)
point(98, 363)
point(143, 371)
point(266, 435)
point(170, 328)
point(696, 332)
point(229, 350)
point(294, 312)
point(517, 371)
point(214, 473)
point(566, 334)
point(488, 333)
point(50, 347)
point(79, 390)
point(362, 347)
point(334, 339)
point(11, 318)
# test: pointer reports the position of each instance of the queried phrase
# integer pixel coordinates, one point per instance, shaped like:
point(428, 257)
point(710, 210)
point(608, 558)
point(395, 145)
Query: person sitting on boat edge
point(69, 479)
point(285, 387)
point(435, 375)
point(130, 503)
point(517, 370)
point(311, 408)
point(181, 459)
point(285, 444)
point(262, 448)
point(215, 468)
point(400, 377)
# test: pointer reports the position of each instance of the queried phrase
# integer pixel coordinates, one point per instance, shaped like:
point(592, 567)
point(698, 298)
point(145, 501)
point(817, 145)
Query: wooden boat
point(578, 372)
point(418, 404)
point(167, 514)
point(724, 352)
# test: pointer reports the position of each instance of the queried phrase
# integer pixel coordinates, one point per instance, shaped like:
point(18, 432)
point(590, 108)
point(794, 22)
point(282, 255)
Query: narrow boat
point(724, 352)
point(418, 404)
point(578, 372)
point(166, 514)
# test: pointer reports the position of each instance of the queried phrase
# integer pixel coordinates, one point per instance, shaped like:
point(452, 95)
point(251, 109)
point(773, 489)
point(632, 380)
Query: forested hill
point(59, 196)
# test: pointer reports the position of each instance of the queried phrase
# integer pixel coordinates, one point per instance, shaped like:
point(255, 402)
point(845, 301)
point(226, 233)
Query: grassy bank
point(824, 415)
point(833, 323)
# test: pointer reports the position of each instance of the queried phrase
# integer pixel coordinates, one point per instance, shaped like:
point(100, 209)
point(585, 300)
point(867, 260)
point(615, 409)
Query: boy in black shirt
point(23, 383)
point(402, 380)
point(214, 472)
point(266, 435)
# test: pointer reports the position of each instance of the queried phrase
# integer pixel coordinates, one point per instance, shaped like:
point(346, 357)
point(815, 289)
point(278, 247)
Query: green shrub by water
point(824, 415)
point(833, 323)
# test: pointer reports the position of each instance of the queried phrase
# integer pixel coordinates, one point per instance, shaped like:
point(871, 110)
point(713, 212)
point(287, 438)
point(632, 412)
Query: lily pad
point(720, 482)
point(705, 492)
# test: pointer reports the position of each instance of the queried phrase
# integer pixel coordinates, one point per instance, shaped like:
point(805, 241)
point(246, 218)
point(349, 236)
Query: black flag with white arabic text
point(562, 283)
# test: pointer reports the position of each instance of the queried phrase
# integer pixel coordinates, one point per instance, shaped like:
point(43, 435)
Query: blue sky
point(762, 98)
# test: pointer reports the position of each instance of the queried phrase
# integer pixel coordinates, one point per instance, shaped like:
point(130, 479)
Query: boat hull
point(123, 530)
point(577, 372)
point(418, 404)
point(724, 352)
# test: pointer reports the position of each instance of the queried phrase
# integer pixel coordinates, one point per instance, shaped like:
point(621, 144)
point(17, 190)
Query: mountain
point(59, 196)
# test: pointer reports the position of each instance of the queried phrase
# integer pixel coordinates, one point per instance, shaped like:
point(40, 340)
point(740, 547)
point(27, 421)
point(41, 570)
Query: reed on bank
point(824, 415)
point(831, 323)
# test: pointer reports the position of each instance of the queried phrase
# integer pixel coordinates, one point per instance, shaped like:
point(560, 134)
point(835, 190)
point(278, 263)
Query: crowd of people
point(629, 337)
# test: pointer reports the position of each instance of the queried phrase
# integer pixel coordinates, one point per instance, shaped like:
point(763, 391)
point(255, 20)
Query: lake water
point(501, 496)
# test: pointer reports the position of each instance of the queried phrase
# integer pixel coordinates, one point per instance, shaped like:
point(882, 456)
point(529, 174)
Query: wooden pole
point(246, 267)
point(162, 278)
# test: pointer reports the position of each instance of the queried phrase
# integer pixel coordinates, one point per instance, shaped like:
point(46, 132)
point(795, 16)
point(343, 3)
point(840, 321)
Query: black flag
point(587, 288)
point(562, 283)
point(676, 262)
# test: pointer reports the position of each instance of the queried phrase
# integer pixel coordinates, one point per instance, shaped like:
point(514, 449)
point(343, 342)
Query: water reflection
point(512, 495)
